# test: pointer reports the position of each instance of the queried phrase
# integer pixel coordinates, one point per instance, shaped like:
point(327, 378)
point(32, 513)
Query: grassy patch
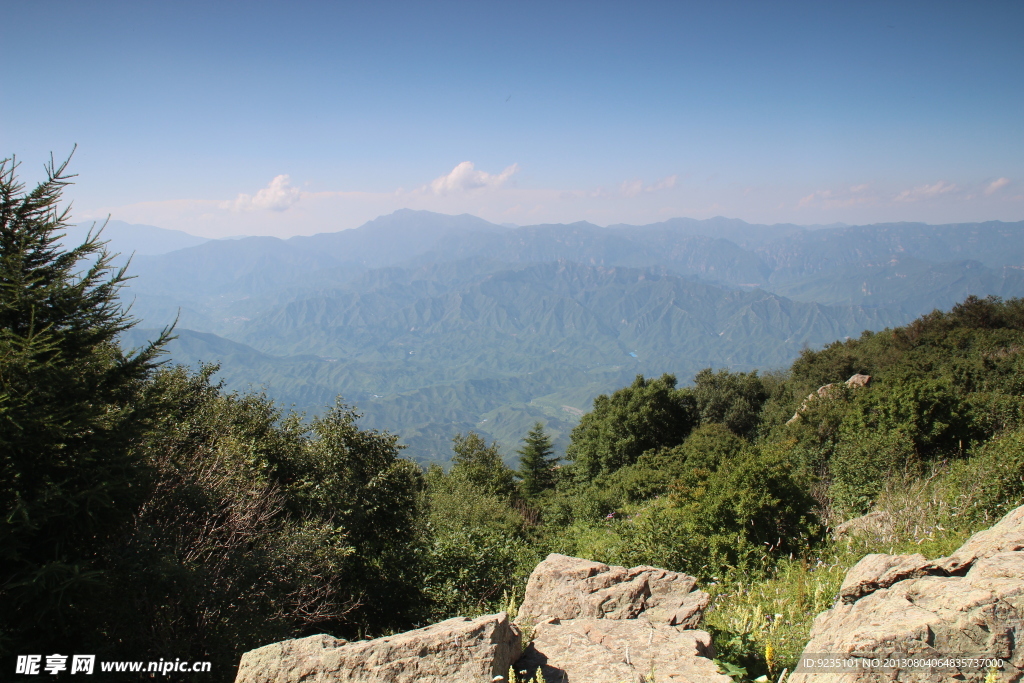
point(761, 625)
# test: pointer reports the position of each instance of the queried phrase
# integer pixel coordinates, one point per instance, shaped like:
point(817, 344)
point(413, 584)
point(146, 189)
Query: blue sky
point(224, 118)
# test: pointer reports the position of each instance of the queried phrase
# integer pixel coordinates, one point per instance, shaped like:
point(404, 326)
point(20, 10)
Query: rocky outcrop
point(568, 588)
point(881, 571)
point(589, 650)
point(604, 624)
point(590, 623)
point(970, 604)
point(857, 381)
point(460, 649)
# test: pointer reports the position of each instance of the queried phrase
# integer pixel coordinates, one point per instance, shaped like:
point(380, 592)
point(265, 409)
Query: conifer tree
point(69, 411)
point(536, 462)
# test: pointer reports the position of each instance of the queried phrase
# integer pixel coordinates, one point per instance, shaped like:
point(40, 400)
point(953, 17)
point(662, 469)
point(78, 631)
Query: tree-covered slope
point(414, 303)
point(439, 349)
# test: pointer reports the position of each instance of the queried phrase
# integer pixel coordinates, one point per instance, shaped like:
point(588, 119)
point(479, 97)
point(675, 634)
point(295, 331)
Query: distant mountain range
point(435, 324)
point(129, 238)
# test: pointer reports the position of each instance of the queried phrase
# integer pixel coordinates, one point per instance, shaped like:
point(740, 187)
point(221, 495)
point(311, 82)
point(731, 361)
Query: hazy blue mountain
point(128, 238)
point(698, 256)
point(912, 285)
point(395, 238)
point(994, 244)
point(222, 282)
point(429, 351)
point(746, 235)
point(436, 324)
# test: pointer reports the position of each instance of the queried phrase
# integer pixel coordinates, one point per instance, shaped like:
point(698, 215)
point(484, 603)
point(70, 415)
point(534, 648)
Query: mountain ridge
point(417, 314)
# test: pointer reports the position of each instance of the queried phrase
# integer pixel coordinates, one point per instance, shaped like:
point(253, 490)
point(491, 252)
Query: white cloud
point(279, 195)
point(634, 188)
point(855, 195)
point(663, 184)
point(465, 178)
point(996, 185)
point(925, 192)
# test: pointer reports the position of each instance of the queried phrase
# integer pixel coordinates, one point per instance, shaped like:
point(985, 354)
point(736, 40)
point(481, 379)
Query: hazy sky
point(223, 118)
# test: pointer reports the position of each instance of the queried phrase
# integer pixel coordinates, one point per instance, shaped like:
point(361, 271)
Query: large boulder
point(567, 588)
point(461, 649)
point(967, 607)
point(590, 623)
point(604, 624)
point(877, 571)
point(592, 650)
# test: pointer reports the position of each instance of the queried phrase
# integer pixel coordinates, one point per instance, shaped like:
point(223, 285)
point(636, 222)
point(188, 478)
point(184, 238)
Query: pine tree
point(536, 464)
point(69, 411)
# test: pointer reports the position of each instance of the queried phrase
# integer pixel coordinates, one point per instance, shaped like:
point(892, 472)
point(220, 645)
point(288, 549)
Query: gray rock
point(857, 381)
point(591, 623)
point(290, 660)
point(594, 623)
point(691, 610)
point(460, 649)
point(1006, 535)
point(881, 571)
point(589, 650)
point(970, 603)
point(568, 587)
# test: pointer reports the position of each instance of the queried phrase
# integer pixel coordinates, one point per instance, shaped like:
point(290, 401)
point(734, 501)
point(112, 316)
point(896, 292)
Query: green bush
point(355, 479)
point(984, 487)
point(733, 399)
point(481, 466)
point(211, 563)
point(647, 415)
point(708, 447)
point(476, 545)
point(745, 513)
point(861, 466)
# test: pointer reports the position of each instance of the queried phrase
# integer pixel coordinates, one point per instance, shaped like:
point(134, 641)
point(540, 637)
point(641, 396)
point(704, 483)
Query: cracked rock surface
point(595, 623)
point(457, 650)
point(970, 603)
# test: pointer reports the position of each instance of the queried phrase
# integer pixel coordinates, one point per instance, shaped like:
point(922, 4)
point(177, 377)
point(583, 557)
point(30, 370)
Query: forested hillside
point(439, 324)
point(451, 347)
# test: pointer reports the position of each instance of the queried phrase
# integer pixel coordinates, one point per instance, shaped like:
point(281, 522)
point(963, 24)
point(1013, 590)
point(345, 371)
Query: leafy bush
point(984, 487)
point(212, 562)
point(860, 468)
point(355, 479)
point(476, 544)
point(733, 399)
point(647, 415)
point(745, 513)
point(708, 447)
point(481, 466)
